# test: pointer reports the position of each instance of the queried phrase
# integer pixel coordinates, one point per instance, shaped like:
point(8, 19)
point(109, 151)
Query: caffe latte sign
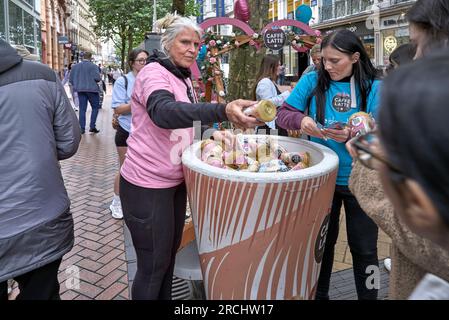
point(274, 39)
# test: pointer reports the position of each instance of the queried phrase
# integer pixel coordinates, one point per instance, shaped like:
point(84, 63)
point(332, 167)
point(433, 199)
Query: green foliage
point(192, 8)
point(127, 20)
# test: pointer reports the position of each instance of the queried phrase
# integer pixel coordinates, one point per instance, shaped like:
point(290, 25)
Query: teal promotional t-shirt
point(338, 108)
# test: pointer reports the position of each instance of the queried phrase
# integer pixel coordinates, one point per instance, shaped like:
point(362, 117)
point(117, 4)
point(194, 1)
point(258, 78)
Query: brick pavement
point(343, 258)
point(99, 252)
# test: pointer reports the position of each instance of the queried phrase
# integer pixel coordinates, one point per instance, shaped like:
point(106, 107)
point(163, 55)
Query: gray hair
point(171, 26)
point(315, 49)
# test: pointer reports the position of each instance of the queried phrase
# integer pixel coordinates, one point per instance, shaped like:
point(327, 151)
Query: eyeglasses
point(141, 61)
point(370, 154)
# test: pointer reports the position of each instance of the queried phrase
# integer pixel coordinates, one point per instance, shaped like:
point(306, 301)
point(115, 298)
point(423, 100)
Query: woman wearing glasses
point(413, 173)
point(412, 256)
point(345, 84)
point(121, 104)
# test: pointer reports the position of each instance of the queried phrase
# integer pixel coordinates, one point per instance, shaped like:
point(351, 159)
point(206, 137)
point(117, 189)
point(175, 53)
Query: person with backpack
point(121, 104)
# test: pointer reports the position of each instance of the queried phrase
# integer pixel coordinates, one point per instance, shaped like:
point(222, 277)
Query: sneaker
point(116, 210)
point(94, 130)
point(387, 264)
point(83, 131)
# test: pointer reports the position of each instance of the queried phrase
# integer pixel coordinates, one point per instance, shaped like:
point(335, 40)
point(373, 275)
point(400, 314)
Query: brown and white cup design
point(261, 235)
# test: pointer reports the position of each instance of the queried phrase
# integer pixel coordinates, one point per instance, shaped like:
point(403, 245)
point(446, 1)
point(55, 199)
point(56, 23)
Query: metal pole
point(154, 16)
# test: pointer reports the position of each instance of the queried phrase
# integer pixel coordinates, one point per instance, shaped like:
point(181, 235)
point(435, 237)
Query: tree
point(179, 6)
point(245, 61)
point(125, 22)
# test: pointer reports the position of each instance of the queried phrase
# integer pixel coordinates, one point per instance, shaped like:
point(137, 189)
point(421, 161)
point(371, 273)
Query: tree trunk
point(123, 52)
point(130, 46)
point(179, 6)
point(245, 62)
point(123, 39)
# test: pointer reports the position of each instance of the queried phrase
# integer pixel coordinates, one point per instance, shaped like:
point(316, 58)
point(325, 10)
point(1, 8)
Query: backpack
point(126, 82)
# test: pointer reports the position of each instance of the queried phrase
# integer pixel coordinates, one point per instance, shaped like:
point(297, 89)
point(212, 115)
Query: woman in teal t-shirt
point(345, 84)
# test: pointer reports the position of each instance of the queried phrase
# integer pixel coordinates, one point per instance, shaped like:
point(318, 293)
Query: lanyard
point(353, 93)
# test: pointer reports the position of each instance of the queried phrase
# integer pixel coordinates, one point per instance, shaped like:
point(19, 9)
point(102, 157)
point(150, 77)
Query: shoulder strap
point(126, 82)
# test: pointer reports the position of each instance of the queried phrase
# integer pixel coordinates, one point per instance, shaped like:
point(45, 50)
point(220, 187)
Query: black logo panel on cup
point(321, 239)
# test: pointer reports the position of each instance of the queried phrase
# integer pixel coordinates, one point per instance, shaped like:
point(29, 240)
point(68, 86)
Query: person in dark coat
point(38, 128)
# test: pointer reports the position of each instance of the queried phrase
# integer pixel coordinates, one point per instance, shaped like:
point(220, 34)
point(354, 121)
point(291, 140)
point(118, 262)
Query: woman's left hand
point(337, 135)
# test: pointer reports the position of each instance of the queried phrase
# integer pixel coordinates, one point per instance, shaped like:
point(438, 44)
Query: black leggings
point(155, 218)
point(362, 239)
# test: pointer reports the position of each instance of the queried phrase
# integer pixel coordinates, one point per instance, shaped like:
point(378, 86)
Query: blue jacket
point(84, 77)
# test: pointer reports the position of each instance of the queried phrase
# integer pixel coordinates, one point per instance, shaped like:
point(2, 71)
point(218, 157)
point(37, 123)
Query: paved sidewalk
point(99, 244)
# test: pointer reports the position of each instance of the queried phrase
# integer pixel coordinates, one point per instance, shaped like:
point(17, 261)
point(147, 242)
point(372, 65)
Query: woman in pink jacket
point(152, 189)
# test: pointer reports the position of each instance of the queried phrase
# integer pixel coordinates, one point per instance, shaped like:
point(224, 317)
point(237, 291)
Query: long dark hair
point(364, 72)
point(268, 69)
point(132, 56)
point(431, 16)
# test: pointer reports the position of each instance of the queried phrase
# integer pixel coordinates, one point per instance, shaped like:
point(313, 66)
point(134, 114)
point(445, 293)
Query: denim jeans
point(94, 100)
point(362, 235)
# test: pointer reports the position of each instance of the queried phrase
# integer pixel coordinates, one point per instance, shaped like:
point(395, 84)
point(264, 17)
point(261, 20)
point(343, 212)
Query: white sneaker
point(387, 264)
point(116, 210)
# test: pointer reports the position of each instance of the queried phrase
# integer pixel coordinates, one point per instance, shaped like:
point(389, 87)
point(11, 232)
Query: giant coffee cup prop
point(261, 235)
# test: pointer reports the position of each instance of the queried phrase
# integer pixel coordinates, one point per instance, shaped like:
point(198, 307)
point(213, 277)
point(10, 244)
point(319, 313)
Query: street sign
point(67, 45)
point(274, 39)
point(63, 39)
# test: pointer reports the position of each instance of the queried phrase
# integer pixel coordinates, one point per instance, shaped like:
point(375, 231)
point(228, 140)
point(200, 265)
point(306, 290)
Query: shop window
point(37, 6)
point(28, 24)
point(16, 29)
point(391, 39)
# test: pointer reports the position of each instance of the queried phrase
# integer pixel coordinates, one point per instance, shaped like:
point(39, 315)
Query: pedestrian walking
point(39, 128)
point(73, 93)
point(152, 188)
point(84, 78)
point(345, 84)
point(121, 104)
